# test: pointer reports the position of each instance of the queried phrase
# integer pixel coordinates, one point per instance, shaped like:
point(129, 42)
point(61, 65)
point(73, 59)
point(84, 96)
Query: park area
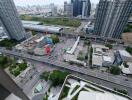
point(53, 21)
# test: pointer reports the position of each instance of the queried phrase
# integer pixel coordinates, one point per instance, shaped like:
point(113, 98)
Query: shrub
point(121, 91)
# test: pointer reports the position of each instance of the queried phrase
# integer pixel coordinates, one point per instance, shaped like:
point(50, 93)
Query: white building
point(125, 55)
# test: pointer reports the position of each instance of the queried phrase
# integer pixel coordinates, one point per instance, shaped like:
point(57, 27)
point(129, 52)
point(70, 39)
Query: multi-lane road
point(103, 78)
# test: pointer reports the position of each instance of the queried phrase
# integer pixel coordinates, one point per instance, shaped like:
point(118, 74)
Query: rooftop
point(97, 60)
point(99, 96)
point(124, 53)
point(31, 22)
point(43, 28)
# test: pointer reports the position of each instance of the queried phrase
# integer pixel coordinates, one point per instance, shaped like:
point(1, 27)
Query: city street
point(98, 76)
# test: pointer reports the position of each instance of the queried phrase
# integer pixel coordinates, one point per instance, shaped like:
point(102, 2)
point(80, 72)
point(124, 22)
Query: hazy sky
point(43, 2)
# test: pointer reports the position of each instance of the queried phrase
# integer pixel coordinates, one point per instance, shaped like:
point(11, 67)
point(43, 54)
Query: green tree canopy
point(129, 49)
point(57, 77)
point(8, 43)
point(55, 38)
point(3, 61)
point(44, 75)
point(115, 70)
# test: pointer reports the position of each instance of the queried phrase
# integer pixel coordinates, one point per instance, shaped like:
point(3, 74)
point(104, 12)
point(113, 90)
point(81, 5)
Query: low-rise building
point(125, 56)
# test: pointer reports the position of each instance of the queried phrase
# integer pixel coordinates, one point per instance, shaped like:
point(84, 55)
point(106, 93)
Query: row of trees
point(55, 21)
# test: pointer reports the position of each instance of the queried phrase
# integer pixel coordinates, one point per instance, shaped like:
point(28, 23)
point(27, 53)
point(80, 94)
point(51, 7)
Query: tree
point(23, 66)
point(55, 38)
point(34, 33)
point(8, 43)
point(109, 46)
point(115, 70)
point(45, 75)
point(57, 77)
point(16, 71)
point(128, 28)
point(91, 55)
point(3, 61)
point(129, 49)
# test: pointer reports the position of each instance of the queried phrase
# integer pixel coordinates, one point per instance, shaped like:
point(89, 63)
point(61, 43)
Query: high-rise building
point(53, 9)
point(9, 89)
point(111, 17)
point(86, 8)
point(10, 20)
point(68, 9)
point(81, 7)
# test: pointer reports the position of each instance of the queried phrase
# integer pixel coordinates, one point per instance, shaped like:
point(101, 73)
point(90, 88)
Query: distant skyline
point(44, 2)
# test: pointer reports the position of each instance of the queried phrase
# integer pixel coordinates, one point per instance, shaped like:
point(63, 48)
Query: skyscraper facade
point(111, 17)
point(53, 9)
point(81, 7)
point(86, 8)
point(10, 20)
point(68, 9)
